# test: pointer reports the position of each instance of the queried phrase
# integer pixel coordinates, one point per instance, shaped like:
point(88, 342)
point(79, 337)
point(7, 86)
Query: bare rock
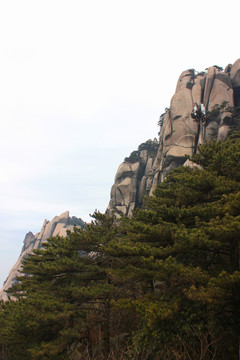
point(235, 79)
point(58, 226)
point(208, 85)
point(180, 133)
point(221, 91)
point(63, 218)
point(191, 164)
point(235, 74)
point(197, 90)
point(29, 238)
point(126, 192)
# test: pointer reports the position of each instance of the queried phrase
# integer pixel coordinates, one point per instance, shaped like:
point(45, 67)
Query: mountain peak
point(180, 133)
point(58, 226)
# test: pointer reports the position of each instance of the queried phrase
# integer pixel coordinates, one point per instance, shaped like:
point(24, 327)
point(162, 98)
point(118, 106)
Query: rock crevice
point(179, 134)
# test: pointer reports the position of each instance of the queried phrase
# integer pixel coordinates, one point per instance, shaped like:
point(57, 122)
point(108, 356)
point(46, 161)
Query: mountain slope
point(57, 227)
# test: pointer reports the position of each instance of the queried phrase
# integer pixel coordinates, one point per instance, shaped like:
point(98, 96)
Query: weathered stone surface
point(235, 79)
point(228, 68)
point(146, 167)
point(48, 231)
point(208, 85)
point(222, 132)
point(63, 218)
point(235, 74)
point(221, 90)
point(197, 90)
point(191, 164)
point(127, 188)
point(61, 229)
point(126, 192)
point(40, 235)
point(131, 208)
point(58, 226)
point(180, 133)
point(29, 238)
point(121, 209)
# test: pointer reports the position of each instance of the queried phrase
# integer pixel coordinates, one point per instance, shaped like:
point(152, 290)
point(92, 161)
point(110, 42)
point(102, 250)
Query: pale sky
point(82, 84)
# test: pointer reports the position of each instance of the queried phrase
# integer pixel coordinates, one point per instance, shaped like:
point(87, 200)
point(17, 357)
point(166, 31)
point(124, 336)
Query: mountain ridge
point(58, 226)
point(183, 127)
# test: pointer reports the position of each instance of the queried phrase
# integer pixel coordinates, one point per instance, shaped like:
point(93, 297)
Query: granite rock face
point(179, 134)
point(57, 227)
point(234, 71)
point(133, 179)
point(145, 168)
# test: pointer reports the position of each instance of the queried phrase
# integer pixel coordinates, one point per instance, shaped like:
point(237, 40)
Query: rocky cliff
point(57, 227)
point(194, 117)
point(188, 122)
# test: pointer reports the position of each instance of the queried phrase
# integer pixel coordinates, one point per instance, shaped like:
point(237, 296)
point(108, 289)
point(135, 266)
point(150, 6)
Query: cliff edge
point(199, 93)
point(57, 227)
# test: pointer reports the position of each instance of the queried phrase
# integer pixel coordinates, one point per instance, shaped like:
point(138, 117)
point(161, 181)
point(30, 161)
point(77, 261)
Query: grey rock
point(235, 74)
point(208, 85)
point(57, 227)
point(131, 178)
point(63, 218)
point(235, 80)
point(179, 135)
point(29, 238)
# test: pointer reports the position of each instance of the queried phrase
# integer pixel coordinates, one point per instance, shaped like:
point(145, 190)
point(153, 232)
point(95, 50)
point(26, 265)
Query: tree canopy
point(163, 284)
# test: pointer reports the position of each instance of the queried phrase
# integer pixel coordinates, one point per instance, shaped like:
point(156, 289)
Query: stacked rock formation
point(57, 227)
point(144, 169)
point(133, 179)
point(180, 134)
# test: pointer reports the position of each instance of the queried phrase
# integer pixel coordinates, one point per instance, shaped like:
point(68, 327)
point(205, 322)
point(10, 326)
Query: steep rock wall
point(133, 179)
point(145, 168)
point(57, 227)
point(180, 134)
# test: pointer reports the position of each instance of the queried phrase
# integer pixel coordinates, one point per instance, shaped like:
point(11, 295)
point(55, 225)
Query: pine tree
point(172, 270)
point(63, 296)
point(182, 260)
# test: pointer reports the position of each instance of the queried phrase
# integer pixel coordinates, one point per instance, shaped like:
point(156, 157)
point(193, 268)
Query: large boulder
point(130, 182)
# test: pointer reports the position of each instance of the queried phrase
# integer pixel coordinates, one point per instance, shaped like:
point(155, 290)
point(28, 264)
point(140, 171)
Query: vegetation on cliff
point(163, 284)
point(150, 145)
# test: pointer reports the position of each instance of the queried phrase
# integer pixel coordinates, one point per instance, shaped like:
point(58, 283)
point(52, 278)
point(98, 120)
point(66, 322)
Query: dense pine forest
point(163, 284)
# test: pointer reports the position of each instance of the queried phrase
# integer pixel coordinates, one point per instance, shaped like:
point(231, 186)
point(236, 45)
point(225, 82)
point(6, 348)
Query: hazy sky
point(82, 84)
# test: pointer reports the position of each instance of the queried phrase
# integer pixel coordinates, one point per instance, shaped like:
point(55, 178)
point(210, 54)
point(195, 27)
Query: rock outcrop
point(198, 94)
point(180, 133)
point(133, 179)
point(57, 227)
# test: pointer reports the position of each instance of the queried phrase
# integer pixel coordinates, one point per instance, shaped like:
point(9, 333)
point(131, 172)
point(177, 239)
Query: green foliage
point(64, 296)
point(167, 279)
point(235, 120)
point(218, 67)
point(221, 158)
point(182, 251)
point(134, 157)
point(201, 73)
point(149, 145)
point(161, 117)
point(189, 85)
